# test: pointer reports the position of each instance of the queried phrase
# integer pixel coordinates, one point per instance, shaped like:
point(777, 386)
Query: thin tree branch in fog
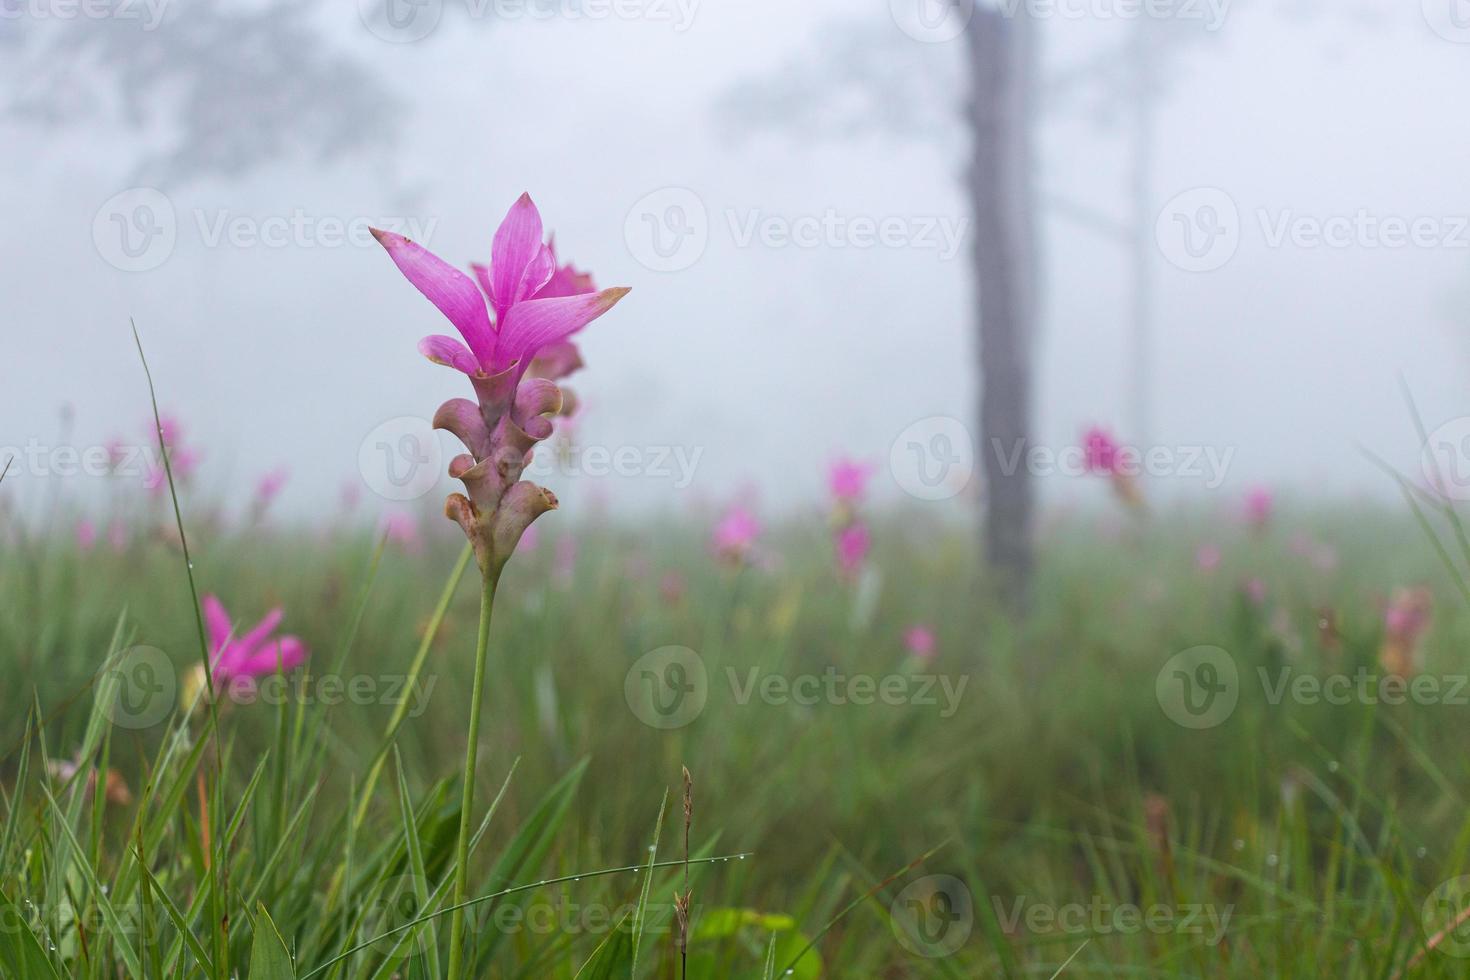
point(216, 90)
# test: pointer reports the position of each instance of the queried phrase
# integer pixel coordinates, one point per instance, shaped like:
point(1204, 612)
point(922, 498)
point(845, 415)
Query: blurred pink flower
point(86, 535)
point(269, 488)
point(1259, 503)
point(920, 642)
point(735, 534)
point(182, 459)
point(1103, 456)
point(402, 529)
point(351, 496)
point(1100, 451)
point(257, 653)
point(1207, 558)
point(530, 541)
point(1405, 622)
point(847, 479)
point(853, 544)
point(117, 536)
point(1255, 591)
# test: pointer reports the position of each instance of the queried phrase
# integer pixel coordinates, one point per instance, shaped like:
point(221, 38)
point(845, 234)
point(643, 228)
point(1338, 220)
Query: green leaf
point(269, 957)
point(21, 954)
point(612, 958)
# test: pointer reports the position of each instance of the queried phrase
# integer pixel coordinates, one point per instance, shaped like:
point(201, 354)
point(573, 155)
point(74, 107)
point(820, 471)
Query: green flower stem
point(467, 804)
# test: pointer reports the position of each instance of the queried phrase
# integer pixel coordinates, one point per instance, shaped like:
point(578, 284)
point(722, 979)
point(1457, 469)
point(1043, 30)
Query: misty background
point(764, 359)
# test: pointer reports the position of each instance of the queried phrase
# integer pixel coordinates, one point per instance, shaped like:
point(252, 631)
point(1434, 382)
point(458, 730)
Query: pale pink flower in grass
point(86, 535)
point(671, 588)
point(401, 529)
point(267, 489)
point(250, 655)
point(920, 642)
point(1255, 591)
point(853, 544)
point(182, 459)
point(847, 480)
point(1258, 506)
point(535, 307)
point(735, 535)
point(351, 496)
point(117, 536)
point(1207, 558)
point(1405, 622)
point(564, 566)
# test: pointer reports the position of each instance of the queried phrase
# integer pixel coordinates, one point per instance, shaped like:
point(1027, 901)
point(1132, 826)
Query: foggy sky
point(766, 359)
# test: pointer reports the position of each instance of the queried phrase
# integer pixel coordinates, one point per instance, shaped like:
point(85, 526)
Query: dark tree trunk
point(1005, 273)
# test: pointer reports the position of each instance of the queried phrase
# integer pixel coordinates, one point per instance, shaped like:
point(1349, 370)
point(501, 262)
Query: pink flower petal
point(218, 622)
point(517, 245)
point(453, 292)
point(539, 323)
point(449, 352)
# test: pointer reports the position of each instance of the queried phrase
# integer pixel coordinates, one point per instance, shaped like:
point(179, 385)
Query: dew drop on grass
point(1422, 852)
point(1332, 766)
point(1239, 844)
point(1272, 860)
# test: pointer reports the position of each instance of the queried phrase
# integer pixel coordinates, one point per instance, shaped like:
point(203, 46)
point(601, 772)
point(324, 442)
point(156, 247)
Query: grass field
point(1024, 802)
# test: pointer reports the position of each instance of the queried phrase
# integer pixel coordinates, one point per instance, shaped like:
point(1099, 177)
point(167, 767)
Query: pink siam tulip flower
point(735, 535)
point(920, 643)
point(531, 314)
point(402, 530)
point(511, 414)
point(86, 535)
point(252, 655)
point(847, 480)
point(1259, 503)
point(853, 544)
